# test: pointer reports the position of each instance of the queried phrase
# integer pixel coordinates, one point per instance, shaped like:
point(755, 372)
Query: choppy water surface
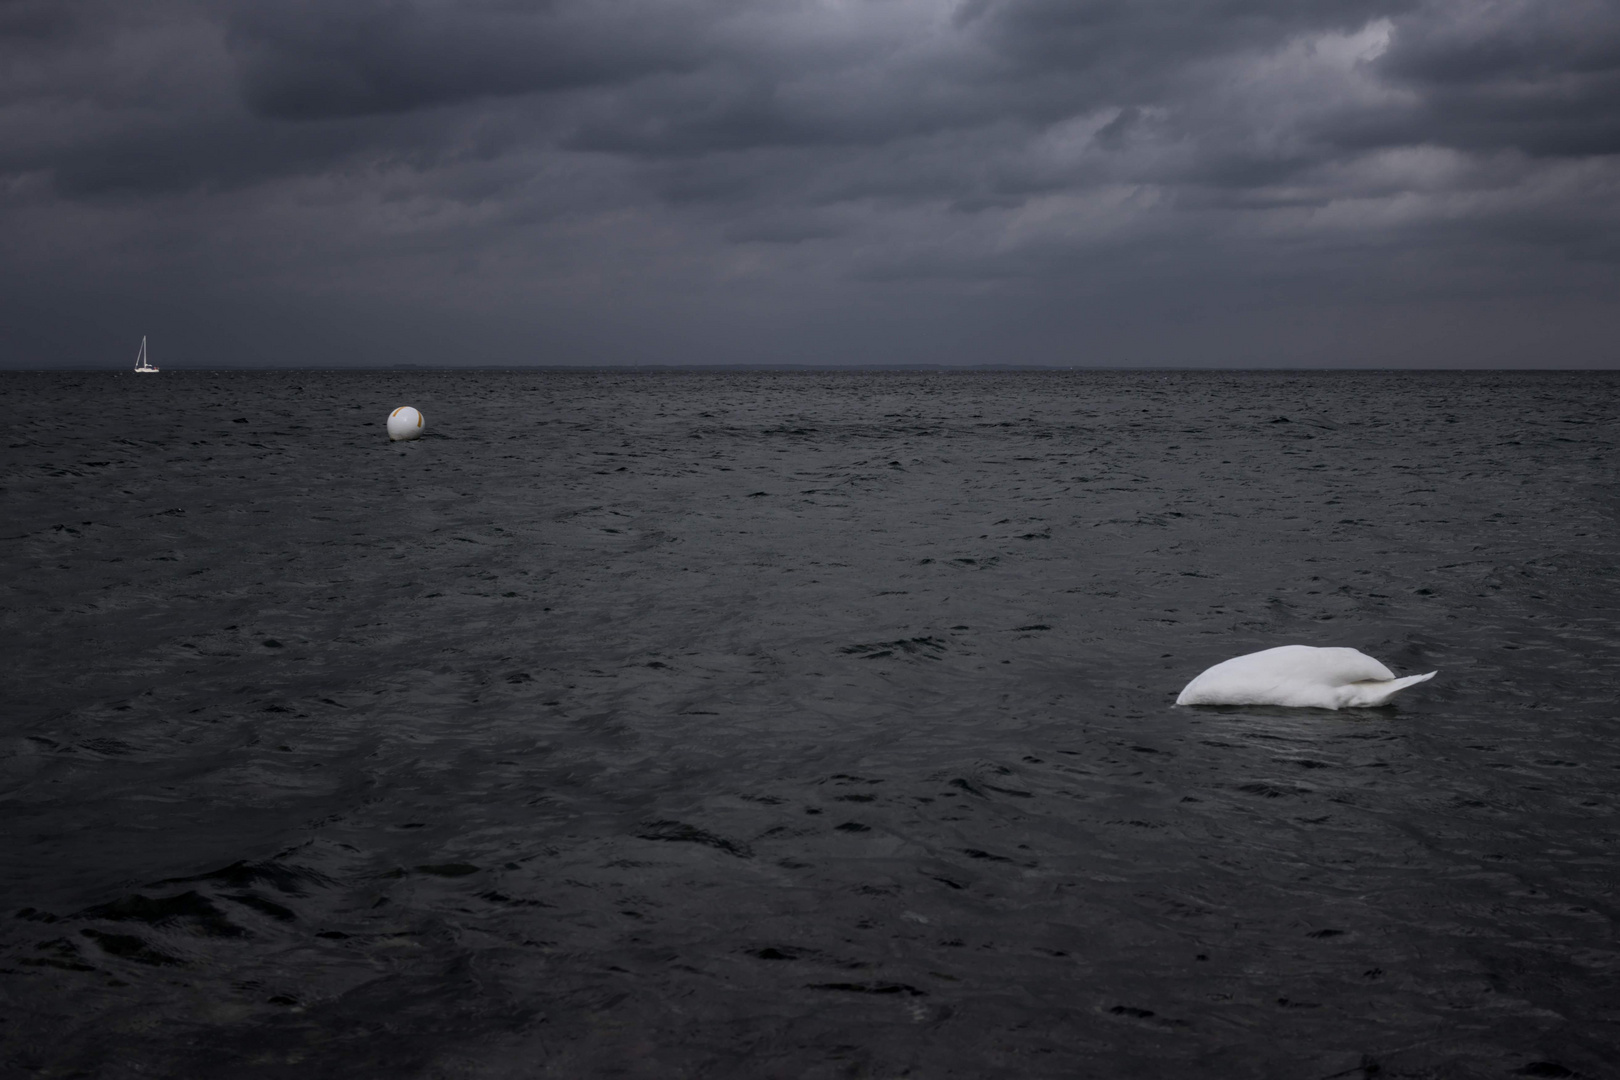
point(804, 725)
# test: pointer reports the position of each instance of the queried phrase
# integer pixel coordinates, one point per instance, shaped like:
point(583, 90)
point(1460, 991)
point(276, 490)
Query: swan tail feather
point(1372, 694)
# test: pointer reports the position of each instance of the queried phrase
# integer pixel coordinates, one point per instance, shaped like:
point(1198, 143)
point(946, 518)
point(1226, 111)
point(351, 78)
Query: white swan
point(1299, 676)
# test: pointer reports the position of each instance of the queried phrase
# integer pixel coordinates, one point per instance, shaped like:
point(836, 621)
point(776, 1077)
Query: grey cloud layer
point(688, 179)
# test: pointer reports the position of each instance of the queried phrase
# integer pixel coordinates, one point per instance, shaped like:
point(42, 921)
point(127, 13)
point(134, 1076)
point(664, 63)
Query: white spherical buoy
point(404, 423)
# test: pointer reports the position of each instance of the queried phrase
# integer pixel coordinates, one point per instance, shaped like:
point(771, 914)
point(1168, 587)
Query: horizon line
point(770, 368)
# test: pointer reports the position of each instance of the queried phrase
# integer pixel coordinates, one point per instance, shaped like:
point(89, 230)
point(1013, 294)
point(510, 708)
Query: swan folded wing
point(1301, 663)
point(1338, 666)
point(1275, 676)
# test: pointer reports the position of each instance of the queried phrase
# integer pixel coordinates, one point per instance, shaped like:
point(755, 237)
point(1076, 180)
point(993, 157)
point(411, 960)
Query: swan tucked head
point(1299, 676)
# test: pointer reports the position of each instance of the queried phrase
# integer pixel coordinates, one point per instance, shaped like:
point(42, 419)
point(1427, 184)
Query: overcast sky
point(1088, 182)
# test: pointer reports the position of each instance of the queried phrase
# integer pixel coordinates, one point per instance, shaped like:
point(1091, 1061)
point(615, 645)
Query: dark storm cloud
point(880, 179)
point(308, 59)
point(1543, 79)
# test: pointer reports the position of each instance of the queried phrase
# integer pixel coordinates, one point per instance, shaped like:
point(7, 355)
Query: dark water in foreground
point(804, 725)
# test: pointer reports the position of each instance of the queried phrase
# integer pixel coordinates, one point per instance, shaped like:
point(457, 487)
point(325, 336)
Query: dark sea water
point(804, 725)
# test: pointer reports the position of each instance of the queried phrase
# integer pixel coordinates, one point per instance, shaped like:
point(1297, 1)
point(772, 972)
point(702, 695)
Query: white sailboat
point(142, 364)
